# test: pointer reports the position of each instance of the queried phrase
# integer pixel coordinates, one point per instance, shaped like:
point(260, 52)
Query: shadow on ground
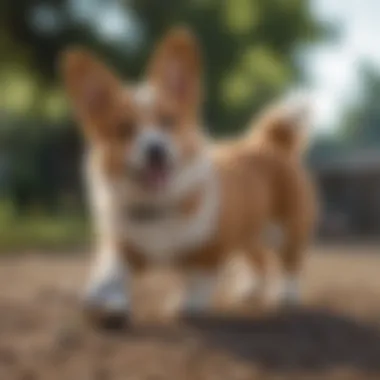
point(298, 340)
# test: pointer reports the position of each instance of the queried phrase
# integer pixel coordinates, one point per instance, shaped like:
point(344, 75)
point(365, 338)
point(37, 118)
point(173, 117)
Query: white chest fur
point(165, 239)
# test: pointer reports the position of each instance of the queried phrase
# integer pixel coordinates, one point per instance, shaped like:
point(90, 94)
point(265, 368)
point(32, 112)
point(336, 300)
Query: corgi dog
point(162, 195)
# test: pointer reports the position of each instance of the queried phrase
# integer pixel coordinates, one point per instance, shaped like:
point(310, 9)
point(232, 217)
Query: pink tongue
point(156, 178)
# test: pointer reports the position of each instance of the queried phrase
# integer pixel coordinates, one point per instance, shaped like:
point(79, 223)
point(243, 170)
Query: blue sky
point(333, 68)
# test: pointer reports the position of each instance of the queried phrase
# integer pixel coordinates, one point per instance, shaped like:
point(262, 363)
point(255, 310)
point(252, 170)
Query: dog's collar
point(146, 213)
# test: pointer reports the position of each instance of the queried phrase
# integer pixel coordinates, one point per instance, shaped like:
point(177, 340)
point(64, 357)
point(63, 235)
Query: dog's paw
point(106, 305)
point(291, 295)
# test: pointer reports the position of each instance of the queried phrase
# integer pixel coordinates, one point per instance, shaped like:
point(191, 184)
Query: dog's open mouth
point(155, 177)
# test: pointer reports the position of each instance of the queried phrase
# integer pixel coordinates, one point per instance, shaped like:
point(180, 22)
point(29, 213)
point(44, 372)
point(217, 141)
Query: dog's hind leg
point(265, 263)
point(292, 255)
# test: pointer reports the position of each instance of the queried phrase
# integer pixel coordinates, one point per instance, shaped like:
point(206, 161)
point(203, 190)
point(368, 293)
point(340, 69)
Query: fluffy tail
point(284, 127)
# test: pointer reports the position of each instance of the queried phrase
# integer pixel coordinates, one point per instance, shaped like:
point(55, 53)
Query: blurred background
point(254, 51)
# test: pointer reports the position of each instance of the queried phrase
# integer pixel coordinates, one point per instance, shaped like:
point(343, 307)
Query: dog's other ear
point(90, 85)
point(175, 69)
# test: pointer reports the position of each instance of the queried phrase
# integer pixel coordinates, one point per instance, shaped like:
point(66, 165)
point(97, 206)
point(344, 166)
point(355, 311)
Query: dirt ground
point(336, 335)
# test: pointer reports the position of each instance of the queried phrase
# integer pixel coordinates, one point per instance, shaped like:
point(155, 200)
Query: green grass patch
point(41, 232)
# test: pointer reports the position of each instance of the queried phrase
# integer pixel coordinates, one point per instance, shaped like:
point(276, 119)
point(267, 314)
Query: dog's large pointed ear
point(175, 69)
point(90, 85)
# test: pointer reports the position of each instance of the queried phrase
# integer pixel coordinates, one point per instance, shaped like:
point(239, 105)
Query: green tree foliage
point(249, 45)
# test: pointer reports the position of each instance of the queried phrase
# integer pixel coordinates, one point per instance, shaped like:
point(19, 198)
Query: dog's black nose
point(156, 155)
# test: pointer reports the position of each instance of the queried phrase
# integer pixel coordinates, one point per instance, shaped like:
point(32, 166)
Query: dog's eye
point(126, 129)
point(167, 122)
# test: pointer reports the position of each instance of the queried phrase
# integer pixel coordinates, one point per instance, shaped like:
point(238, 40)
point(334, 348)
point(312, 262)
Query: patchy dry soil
point(336, 335)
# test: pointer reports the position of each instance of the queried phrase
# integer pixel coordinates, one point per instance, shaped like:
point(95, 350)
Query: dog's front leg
point(106, 291)
point(236, 280)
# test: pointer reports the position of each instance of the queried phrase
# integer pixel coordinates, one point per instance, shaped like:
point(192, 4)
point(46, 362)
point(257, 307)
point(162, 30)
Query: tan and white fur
point(213, 202)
